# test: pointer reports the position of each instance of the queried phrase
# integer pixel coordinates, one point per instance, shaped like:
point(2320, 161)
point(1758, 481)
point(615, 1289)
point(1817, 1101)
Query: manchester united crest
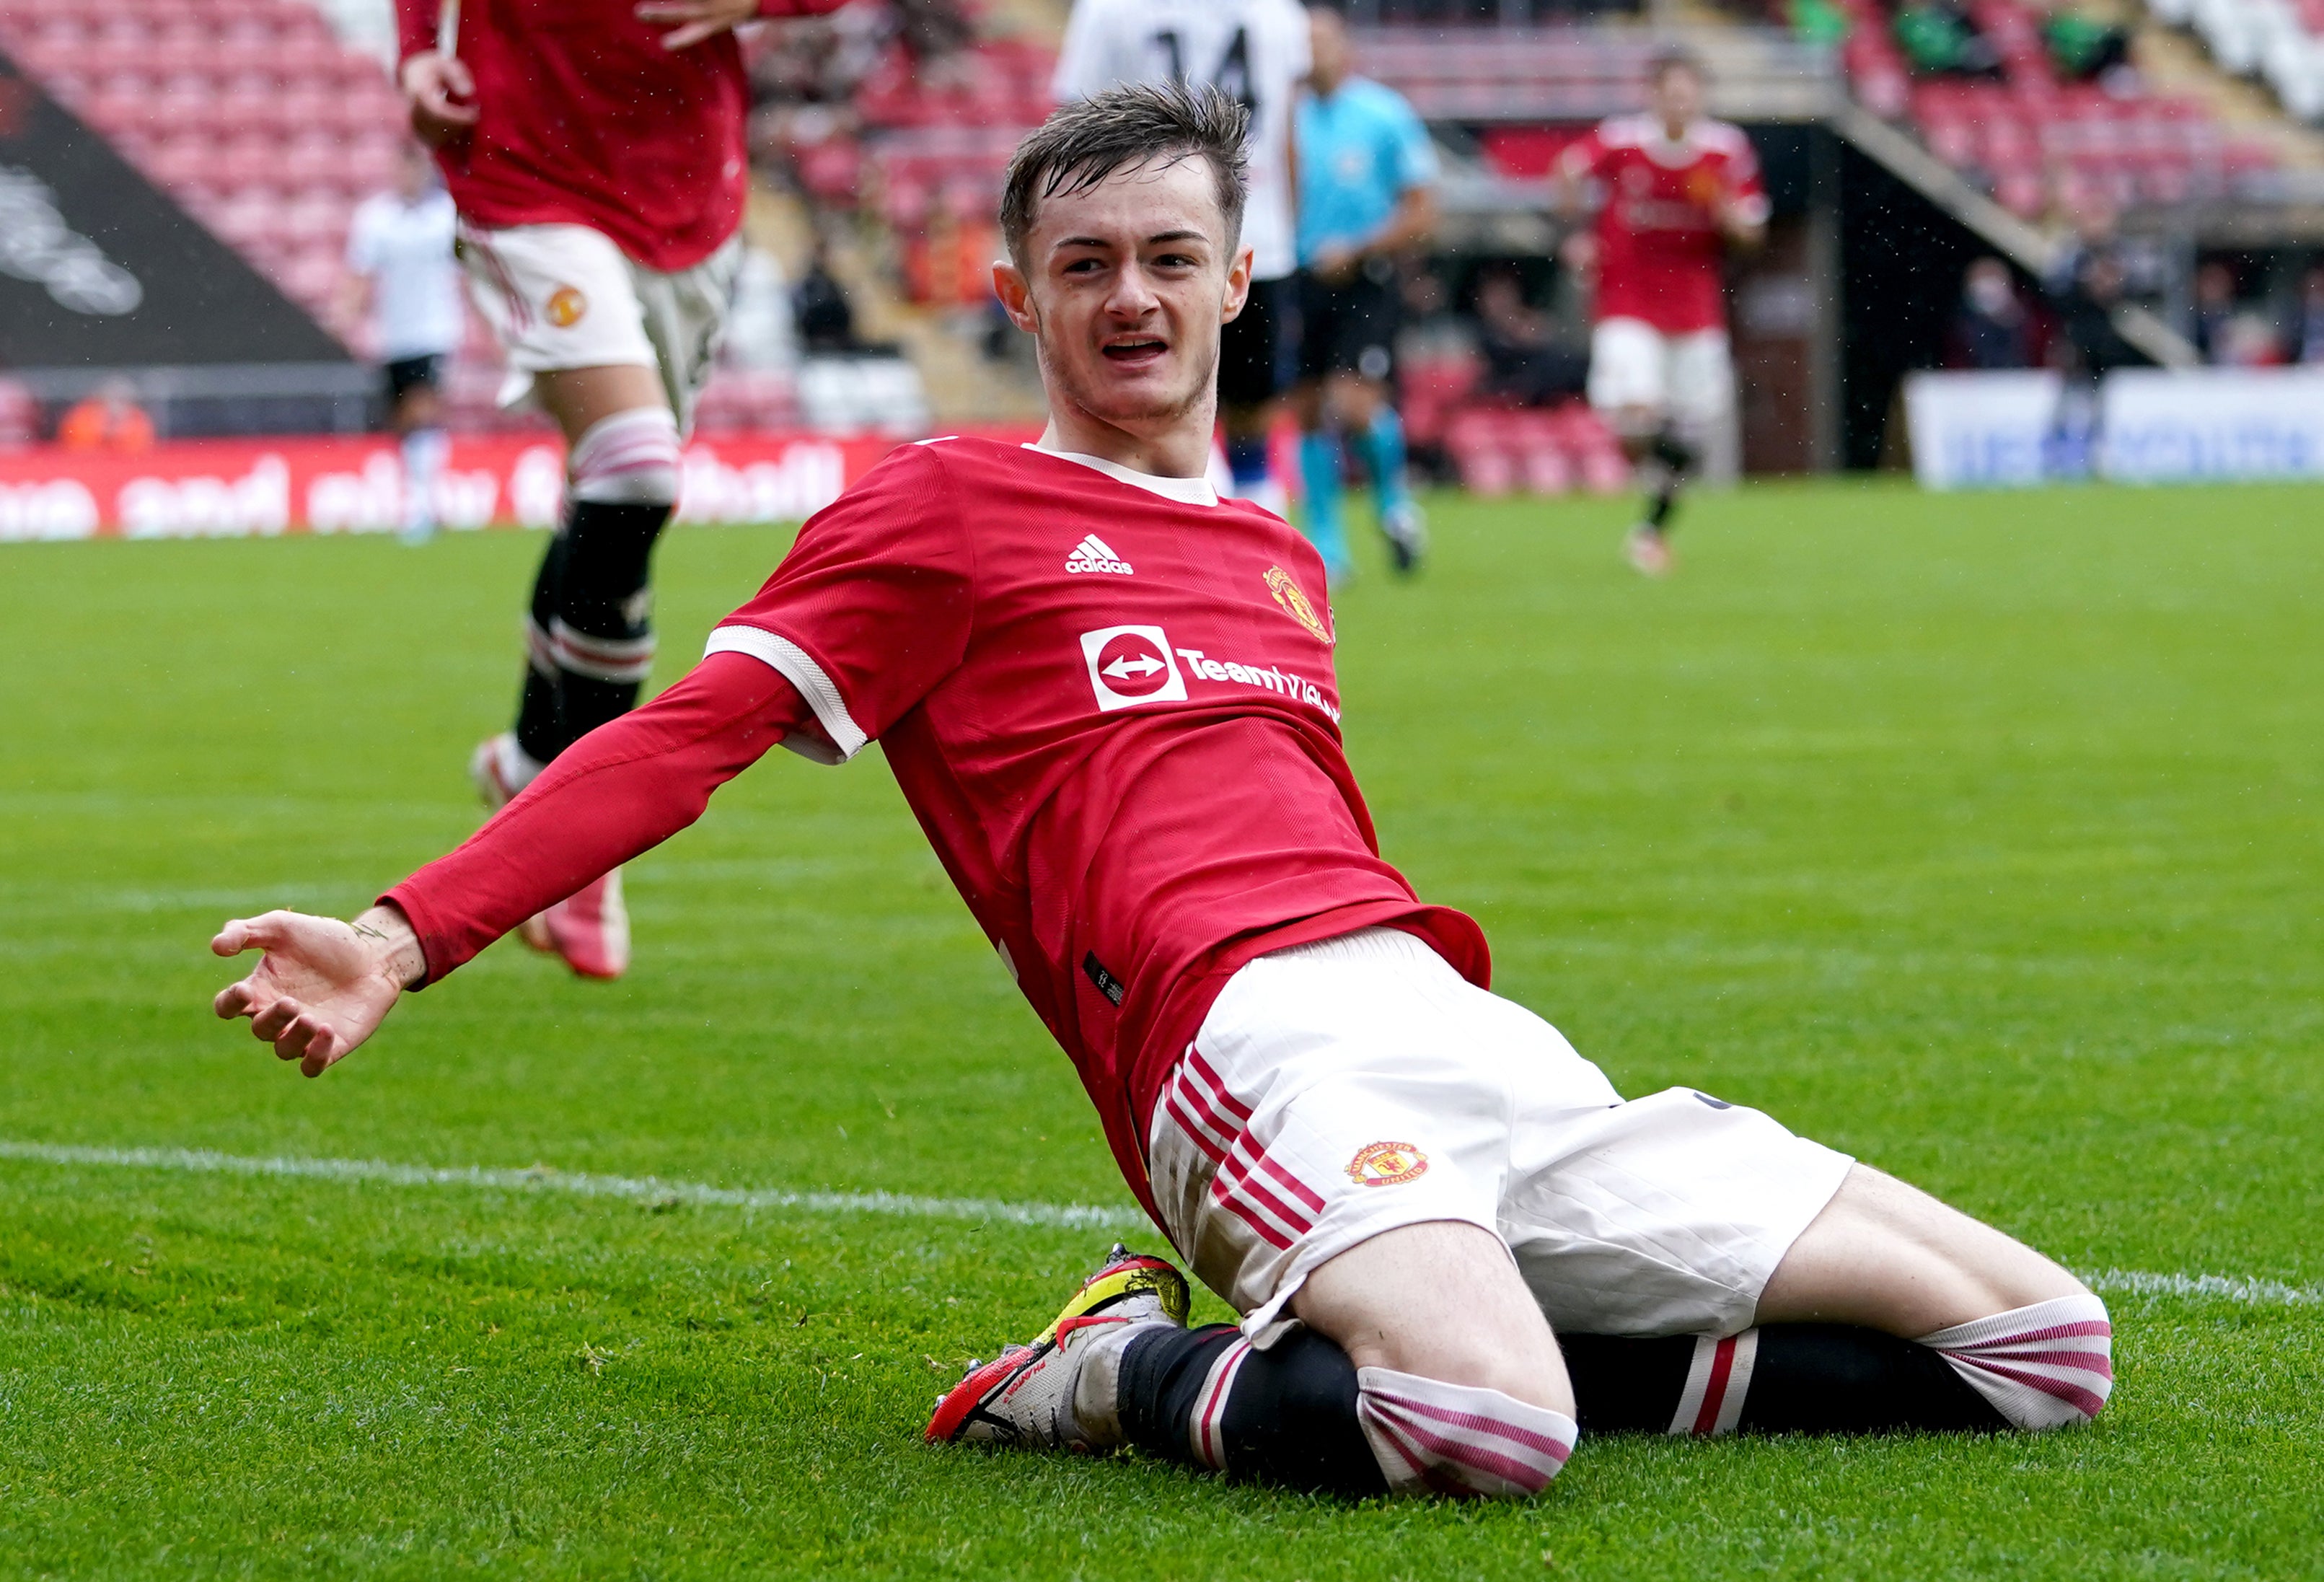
point(1387, 1164)
point(1294, 599)
point(565, 306)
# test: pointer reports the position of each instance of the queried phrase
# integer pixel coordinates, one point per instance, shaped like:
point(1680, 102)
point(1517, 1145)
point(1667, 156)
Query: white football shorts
point(562, 296)
point(1688, 377)
point(1351, 1087)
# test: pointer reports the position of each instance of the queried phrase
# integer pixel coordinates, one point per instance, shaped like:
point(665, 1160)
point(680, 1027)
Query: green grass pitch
point(1977, 836)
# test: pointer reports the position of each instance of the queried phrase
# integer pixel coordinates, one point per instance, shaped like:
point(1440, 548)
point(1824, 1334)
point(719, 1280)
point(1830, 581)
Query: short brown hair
point(1083, 142)
point(1669, 58)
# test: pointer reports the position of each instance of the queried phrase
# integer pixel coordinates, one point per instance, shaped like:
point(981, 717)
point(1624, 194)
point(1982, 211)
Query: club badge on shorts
point(1294, 600)
point(1387, 1164)
point(565, 306)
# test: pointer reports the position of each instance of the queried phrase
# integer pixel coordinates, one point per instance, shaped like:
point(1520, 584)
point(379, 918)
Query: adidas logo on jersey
point(1092, 555)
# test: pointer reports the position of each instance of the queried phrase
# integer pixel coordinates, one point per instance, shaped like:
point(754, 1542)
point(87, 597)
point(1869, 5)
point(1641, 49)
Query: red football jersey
point(1659, 242)
point(583, 118)
point(1110, 701)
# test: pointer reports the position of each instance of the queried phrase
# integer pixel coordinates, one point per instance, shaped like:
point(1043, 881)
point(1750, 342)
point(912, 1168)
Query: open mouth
point(1136, 352)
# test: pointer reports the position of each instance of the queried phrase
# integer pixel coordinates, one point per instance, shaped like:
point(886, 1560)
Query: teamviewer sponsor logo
point(1093, 554)
point(1129, 665)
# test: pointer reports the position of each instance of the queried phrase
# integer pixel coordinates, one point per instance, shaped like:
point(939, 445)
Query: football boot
point(1025, 1396)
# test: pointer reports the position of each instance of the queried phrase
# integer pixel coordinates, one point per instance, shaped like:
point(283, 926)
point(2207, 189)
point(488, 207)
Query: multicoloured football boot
point(1025, 1396)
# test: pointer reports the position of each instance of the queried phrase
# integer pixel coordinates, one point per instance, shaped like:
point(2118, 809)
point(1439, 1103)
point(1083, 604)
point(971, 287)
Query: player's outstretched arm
point(323, 985)
point(624, 788)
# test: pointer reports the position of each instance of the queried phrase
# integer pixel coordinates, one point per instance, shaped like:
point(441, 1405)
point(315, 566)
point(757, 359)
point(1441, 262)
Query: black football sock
point(1286, 1414)
point(1301, 1414)
point(1675, 459)
point(1777, 1379)
point(591, 635)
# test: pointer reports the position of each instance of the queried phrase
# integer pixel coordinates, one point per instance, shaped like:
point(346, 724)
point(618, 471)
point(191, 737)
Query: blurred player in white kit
point(403, 278)
point(1256, 52)
point(1675, 189)
point(595, 151)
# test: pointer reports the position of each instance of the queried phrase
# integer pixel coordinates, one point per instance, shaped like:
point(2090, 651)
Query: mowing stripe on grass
point(542, 1179)
point(2235, 1288)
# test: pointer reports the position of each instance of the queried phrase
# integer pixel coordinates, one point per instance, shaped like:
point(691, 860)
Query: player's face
point(1125, 287)
point(1678, 96)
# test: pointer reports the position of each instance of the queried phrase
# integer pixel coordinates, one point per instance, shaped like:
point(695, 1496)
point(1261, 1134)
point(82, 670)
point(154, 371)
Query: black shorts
point(405, 375)
point(1349, 329)
point(1251, 371)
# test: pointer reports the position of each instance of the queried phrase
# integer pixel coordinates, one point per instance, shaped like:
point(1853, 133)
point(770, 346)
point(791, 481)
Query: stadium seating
point(251, 113)
point(1495, 448)
point(2039, 145)
point(2279, 41)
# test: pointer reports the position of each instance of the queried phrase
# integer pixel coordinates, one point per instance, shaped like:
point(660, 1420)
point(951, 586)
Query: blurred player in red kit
point(593, 148)
point(1107, 694)
point(1674, 190)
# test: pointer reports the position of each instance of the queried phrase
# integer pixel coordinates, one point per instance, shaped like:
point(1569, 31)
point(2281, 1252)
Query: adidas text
point(1091, 554)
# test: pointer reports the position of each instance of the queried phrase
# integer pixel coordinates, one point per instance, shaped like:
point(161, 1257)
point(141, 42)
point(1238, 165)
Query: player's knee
point(2047, 1365)
point(630, 458)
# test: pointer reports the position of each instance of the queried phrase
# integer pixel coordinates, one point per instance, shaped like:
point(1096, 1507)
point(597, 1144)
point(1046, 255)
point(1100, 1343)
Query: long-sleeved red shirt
point(1108, 699)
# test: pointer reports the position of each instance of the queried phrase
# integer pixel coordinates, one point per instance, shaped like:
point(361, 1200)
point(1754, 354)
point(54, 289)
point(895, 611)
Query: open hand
point(323, 985)
point(696, 19)
point(440, 92)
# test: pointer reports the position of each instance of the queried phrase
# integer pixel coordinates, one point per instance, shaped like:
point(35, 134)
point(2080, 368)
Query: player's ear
point(1238, 286)
point(1015, 294)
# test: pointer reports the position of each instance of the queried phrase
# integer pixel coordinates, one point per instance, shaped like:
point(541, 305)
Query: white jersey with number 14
point(1254, 50)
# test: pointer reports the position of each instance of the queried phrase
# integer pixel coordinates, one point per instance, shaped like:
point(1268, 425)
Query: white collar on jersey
point(1186, 491)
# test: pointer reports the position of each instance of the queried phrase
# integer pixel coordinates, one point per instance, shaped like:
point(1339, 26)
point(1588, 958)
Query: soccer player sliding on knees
point(1452, 1244)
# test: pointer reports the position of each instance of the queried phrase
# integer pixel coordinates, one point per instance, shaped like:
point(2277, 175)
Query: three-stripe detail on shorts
point(1276, 1205)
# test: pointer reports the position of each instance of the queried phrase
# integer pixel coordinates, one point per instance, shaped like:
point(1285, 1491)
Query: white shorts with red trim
point(564, 296)
point(1348, 1087)
point(1688, 377)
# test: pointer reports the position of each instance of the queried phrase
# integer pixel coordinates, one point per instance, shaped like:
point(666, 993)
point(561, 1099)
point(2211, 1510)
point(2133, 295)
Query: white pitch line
point(2248, 1291)
point(541, 1178)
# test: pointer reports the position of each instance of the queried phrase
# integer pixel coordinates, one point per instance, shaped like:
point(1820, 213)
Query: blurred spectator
point(2247, 340)
point(2308, 338)
point(1524, 362)
point(1939, 40)
point(108, 419)
point(819, 306)
point(2084, 49)
point(2215, 305)
point(1991, 329)
point(2086, 295)
point(403, 282)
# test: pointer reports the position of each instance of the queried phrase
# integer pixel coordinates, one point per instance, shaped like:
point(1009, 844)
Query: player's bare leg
point(591, 636)
point(1891, 1311)
point(1423, 1366)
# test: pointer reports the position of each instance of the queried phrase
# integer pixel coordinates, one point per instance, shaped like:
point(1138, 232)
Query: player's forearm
point(622, 789)
point(1413, 223)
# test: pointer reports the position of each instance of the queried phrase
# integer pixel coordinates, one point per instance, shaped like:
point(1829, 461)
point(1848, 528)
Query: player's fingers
point(231, 939)
point(671, 10)
point(455, 75)
point(691, 34)
point(322, 1053)
point(270, 1021)
point(234, 1000)
point(296, 1037)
